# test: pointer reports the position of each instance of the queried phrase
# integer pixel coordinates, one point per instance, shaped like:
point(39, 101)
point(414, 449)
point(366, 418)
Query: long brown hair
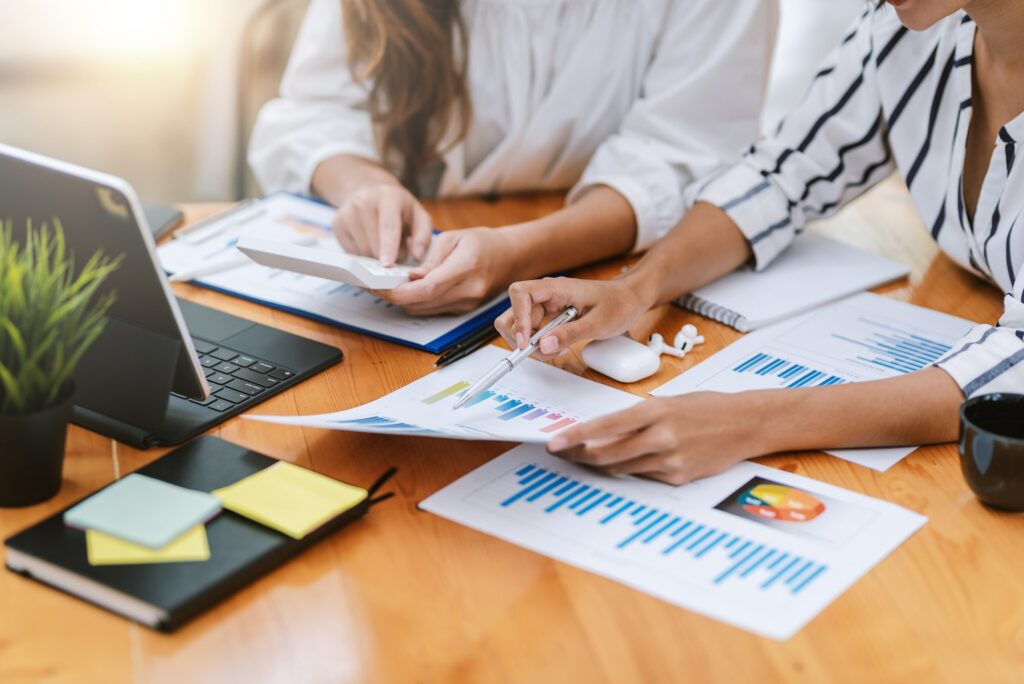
point(413, 53)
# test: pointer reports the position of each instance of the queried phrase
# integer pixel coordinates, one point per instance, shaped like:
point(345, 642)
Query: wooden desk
point(405, 596)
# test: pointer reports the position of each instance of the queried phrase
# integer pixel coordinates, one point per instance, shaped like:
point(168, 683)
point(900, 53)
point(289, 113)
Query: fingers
point(614, 425)
point(531, 300)
point(439, 272)
point(525, 313)
point(503, 324)
point(421, 230)
point(617, 452)
point(341, 224)
point(389, 230)
point(436, 254)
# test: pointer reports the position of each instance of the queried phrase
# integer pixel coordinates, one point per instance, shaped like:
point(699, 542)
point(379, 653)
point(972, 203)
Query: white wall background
point(146, 89)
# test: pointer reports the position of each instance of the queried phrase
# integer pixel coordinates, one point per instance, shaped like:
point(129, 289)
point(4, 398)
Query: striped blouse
point(890, 98)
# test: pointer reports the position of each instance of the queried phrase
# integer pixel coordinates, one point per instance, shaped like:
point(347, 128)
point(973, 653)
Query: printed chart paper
point(865, 337)
point(530, 404)
point(754, 547)
point(338, 302)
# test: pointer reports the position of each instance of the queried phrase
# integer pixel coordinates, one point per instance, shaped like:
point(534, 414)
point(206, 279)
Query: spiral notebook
point(814, 271)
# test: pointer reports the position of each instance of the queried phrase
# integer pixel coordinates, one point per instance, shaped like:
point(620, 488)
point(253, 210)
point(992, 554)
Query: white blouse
point(889, 98)
point(643, 96)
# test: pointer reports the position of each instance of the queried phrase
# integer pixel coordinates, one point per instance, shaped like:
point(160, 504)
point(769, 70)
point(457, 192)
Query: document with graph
point(530, 404)
point(755, 547)
point(865, 337)
point(304, 222)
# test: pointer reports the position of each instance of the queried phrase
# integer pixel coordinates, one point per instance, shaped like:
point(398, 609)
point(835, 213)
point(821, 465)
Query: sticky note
point(143, 510)
point(290, 499)
point(104, 549)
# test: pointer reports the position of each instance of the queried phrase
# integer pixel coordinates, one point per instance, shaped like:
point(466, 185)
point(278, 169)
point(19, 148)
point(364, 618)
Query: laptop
point(164, 370)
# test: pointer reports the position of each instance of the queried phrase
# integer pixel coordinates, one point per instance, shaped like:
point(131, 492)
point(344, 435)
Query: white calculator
point(330, 263)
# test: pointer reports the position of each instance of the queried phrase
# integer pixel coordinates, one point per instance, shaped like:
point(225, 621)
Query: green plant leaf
point(49, 314)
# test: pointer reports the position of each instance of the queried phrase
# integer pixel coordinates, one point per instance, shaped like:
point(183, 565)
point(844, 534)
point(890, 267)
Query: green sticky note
point(290, 499)
point(143, 510)
point(104, 549)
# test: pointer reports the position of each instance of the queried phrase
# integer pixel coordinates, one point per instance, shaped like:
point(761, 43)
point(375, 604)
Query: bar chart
point(627, 525)
point(787, 373)
point(505, 406)
point(697, 546)
point(888, 346)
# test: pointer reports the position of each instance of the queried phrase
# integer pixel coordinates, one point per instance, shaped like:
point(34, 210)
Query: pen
point(505, 366)
point(466, 346)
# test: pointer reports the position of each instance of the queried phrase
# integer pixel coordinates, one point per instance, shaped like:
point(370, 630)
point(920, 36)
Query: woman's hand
point(672, 439)
point(462, 269)
point(606, 309)
point(384, 221)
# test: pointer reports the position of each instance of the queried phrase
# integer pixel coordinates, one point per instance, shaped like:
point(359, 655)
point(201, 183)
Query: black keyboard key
point(245, 387)
point(231, 395)
point(243, 361)
point(261, 367)
point(204, 402)
point(175, 394)
point(209, 361)
point(203, 347)
point(220, 378)
point(281, 374)
point(224, 354)
point(225, 367)
point(208, 372)
point(221, 405)
point(258, 378)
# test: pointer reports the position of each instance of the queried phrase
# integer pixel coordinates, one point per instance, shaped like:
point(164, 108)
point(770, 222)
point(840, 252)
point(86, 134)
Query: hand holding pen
point(508, 364)
point(605, 308)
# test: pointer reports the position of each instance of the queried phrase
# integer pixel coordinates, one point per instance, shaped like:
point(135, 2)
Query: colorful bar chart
point(631, 525)
point(506, 407)
point(447, 392)
point(787, 373)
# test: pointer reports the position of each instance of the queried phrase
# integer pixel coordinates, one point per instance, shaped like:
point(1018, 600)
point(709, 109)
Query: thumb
point(566, 335)
point(440, 248)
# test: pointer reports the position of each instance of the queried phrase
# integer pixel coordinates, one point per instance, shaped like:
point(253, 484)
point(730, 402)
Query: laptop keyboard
point(235, 379)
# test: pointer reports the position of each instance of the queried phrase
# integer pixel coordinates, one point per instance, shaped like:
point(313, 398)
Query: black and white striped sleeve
point(824, 154)
point(991, 358)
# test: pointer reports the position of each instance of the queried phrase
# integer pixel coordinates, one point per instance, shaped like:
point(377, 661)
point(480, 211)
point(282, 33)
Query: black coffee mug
point(992, 449)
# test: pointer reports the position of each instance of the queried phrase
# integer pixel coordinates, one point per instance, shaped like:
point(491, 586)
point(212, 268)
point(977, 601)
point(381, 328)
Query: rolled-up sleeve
point(825, 153)
point(991, 358)
point(701, 102)
point(321, 111)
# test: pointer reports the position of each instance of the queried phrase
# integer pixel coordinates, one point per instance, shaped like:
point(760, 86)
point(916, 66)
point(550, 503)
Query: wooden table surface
point(404, 596)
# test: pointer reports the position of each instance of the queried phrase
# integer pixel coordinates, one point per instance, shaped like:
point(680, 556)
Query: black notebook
point(164, 596)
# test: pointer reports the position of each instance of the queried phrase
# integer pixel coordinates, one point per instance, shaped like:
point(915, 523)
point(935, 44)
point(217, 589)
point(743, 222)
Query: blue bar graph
point(894, 349)
point(730, 557)
point(790, 373)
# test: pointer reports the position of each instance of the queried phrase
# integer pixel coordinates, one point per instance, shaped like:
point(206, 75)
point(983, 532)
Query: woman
point(625, 101)
point(934, 90)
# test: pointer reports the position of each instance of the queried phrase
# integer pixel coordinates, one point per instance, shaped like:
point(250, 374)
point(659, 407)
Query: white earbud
point(658, 346)
point(687, 338)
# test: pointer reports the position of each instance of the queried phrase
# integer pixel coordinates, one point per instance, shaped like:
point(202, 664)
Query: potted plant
point(49, 315)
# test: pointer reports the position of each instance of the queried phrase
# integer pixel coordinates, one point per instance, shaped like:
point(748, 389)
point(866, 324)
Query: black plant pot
point(32, 453)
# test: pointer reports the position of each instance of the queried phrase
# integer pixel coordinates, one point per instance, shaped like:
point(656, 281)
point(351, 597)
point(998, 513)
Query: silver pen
point(505, 366)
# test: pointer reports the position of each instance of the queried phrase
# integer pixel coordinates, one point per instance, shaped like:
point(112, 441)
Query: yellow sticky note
point(290, 499)
point(103, 549)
